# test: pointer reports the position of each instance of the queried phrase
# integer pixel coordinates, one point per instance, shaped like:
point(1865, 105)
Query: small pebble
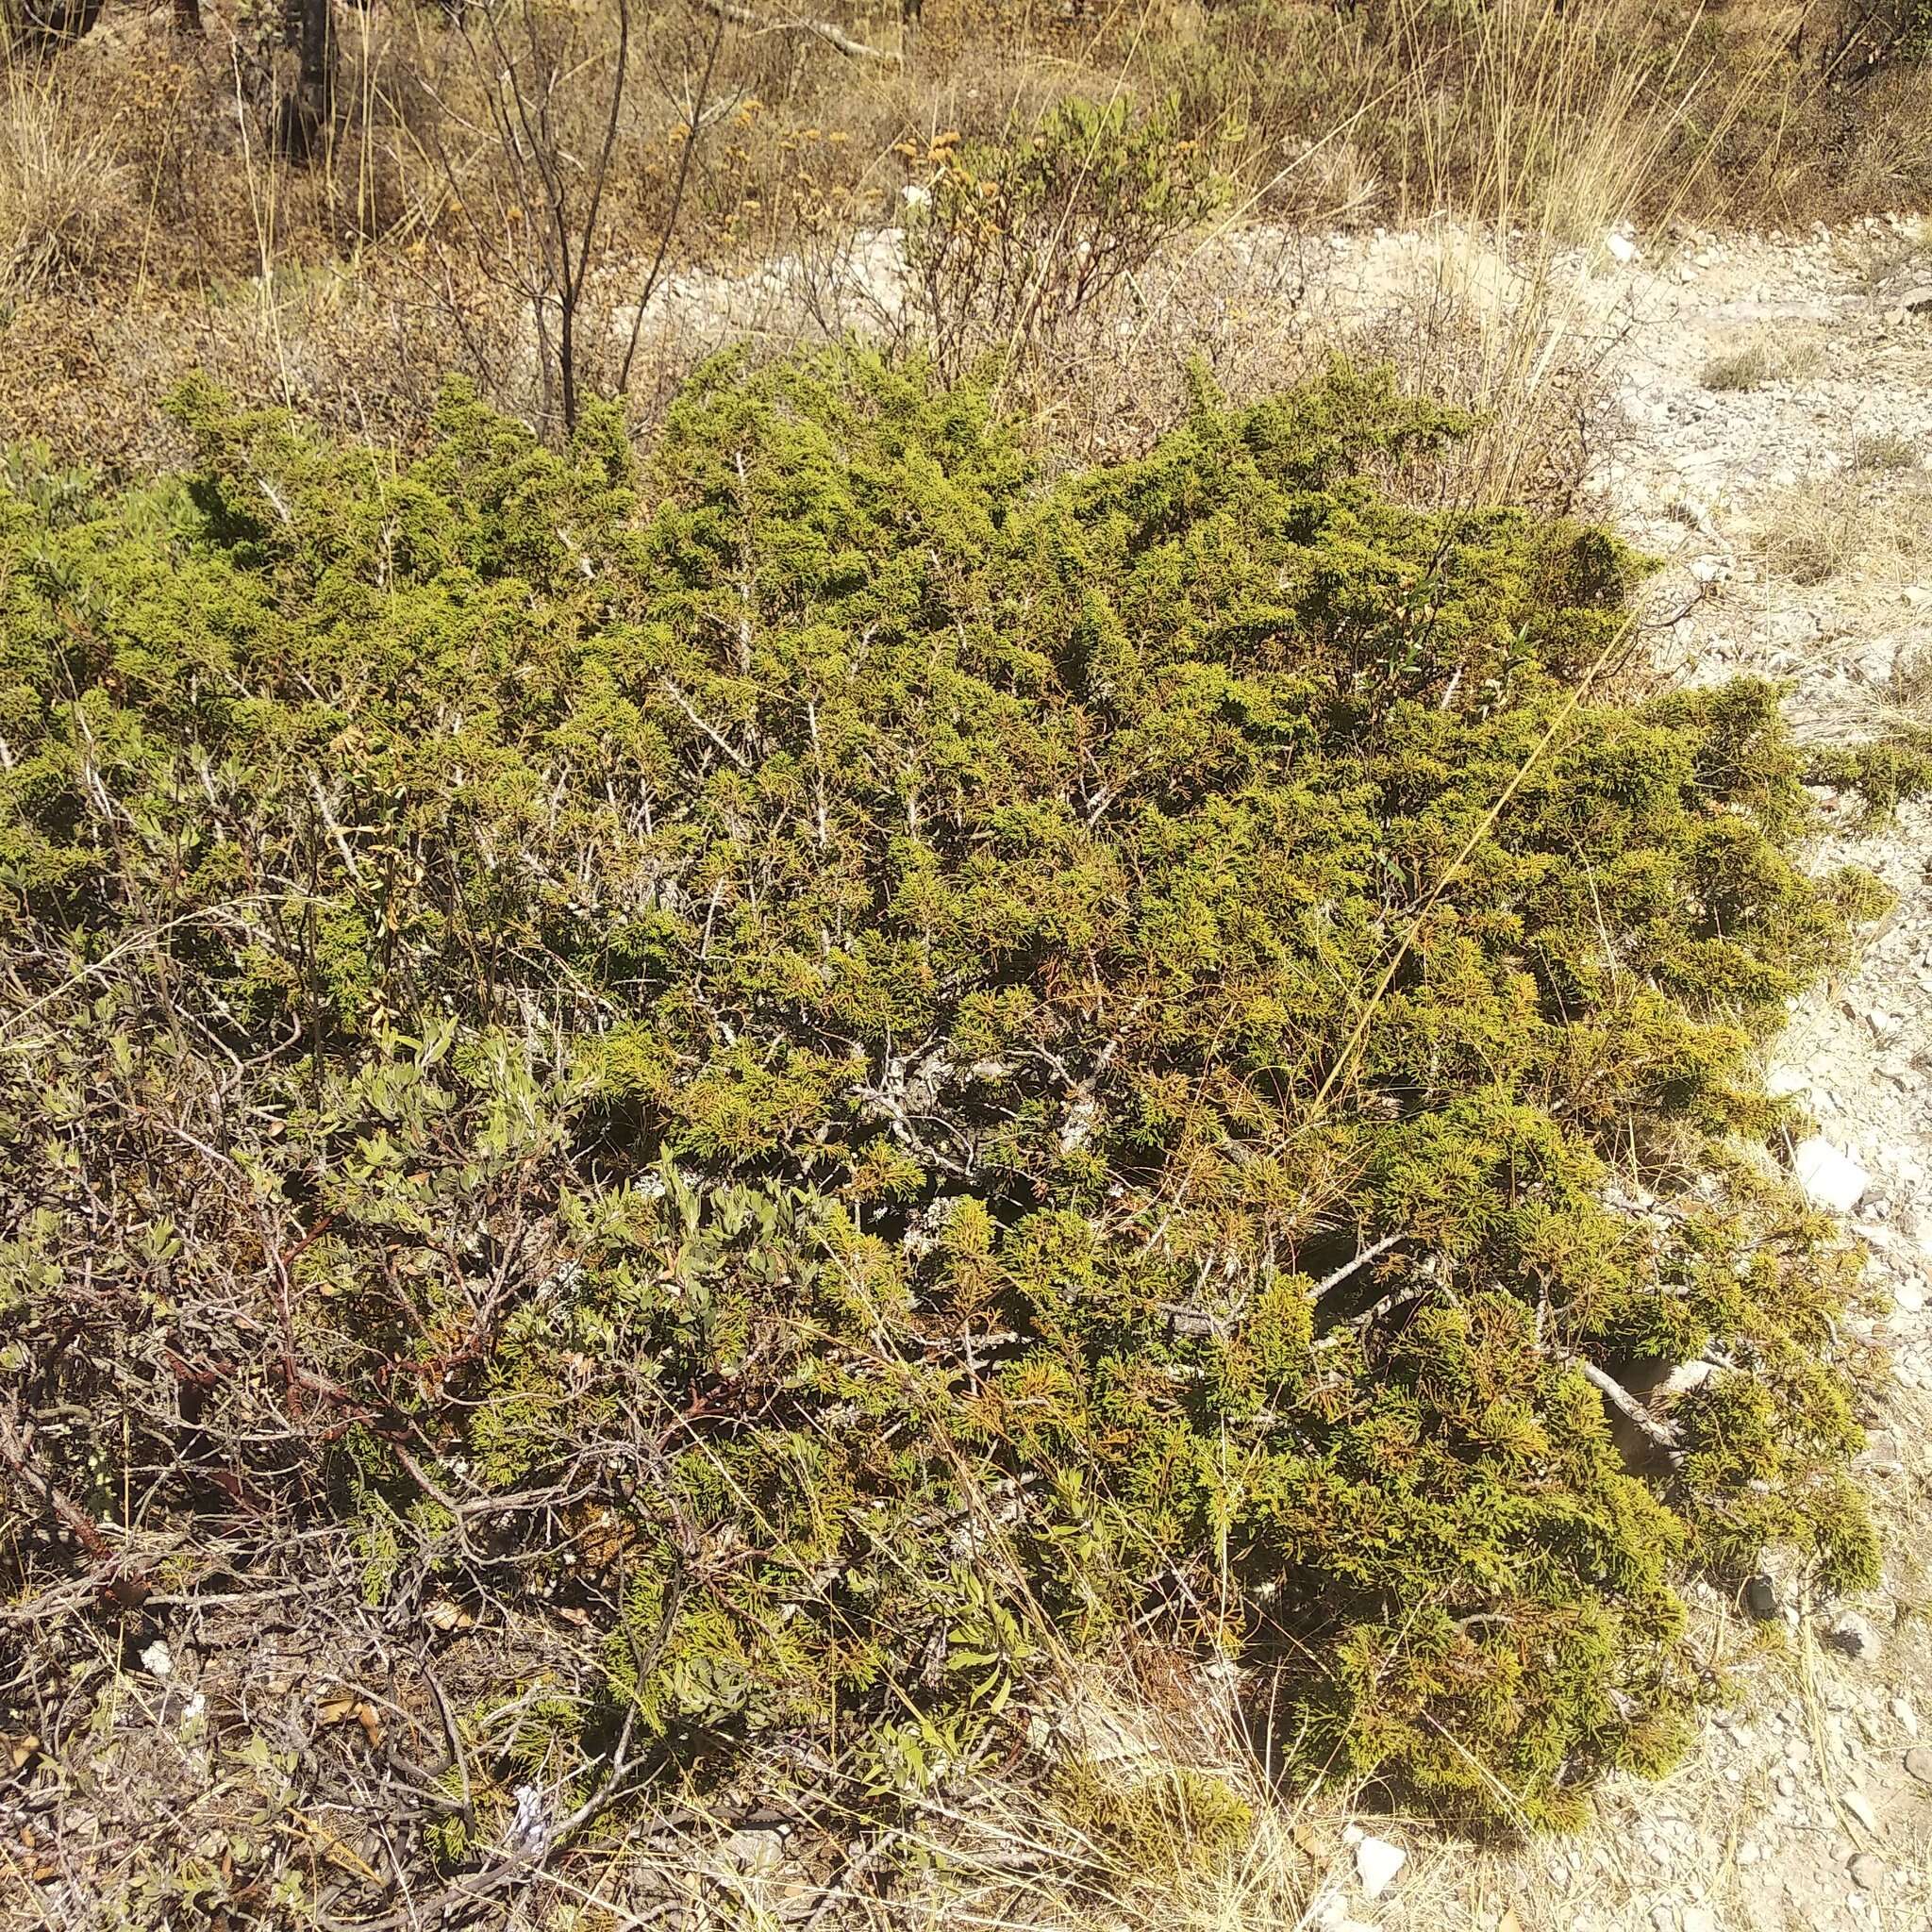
point(1867, 1872)
point(1377, 1862)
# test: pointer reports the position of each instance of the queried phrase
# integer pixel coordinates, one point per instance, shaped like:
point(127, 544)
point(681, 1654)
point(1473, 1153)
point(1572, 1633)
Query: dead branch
point(1388, 1304)
point(1620, 1398)
point(834, 37)
point(1373, 1252)
point(17, 1453)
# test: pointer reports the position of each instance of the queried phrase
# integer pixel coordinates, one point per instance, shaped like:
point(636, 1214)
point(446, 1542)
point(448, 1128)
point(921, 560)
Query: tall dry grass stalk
point(1526, 129)
point(1531, 137)
point(66, 193)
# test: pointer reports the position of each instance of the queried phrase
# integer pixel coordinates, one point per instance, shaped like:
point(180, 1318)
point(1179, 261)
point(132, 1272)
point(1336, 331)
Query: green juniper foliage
point(1884, 771)
point(784, 1053)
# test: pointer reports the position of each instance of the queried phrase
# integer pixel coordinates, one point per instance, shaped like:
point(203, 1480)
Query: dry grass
point(1885, 456)
point(1817, 529)
point(1911, 682)
point(1766, 357)
point(1528, 104)
point(1873, 515)
point(66, 191)
point(1142, 1803)
point(139, 165)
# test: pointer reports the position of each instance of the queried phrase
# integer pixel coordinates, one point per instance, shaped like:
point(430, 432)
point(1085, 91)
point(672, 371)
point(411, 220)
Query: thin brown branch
point(17, 1453)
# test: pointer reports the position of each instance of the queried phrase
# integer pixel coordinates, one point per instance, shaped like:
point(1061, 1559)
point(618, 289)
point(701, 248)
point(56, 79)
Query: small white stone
point(1377, 1862)
point(1334, 1918)
point(1909, 1298)
point(1830, 1180)
point(753, 1851)
point(530, 1829)
point(1908, 1718)
point(158, 1659)
point(1620, 247)
point(1860, 1807)
point(1699, 1919)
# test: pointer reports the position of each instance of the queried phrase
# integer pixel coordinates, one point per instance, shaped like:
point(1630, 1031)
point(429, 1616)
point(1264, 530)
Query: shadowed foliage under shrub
point(836, 1071)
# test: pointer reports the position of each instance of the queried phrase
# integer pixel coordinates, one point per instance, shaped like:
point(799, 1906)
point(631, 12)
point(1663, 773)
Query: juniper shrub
point(854, 1068)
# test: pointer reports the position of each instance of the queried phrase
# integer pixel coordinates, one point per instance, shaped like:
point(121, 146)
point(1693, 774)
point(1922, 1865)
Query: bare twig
point(669, 228)
point(1620, 1398)
point(16, 1451)
point(834, 37)
point(1354, 1266)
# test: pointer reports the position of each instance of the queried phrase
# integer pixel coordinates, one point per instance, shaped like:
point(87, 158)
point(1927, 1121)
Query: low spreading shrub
point(834, 1071)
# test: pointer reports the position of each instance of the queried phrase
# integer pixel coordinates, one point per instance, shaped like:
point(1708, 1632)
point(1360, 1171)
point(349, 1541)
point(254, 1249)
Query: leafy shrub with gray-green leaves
point(837, 1070)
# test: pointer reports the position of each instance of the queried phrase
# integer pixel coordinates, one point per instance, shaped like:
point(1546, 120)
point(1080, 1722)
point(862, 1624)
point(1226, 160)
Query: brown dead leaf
point(338, 1708)
point(370, 1720)
point(1508, 1921)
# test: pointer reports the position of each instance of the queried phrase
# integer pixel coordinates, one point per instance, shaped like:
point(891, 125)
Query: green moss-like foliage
point(782, 1050)
point(1884, 772)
